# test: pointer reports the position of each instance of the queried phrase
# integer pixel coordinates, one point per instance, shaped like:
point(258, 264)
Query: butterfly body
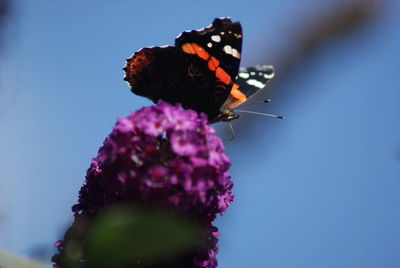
point(200, 71)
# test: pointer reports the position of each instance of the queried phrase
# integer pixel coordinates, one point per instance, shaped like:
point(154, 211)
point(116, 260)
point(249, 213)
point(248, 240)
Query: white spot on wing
point(235, 53)
point(209, 44)
point(244, 75)
point(252, 73)
point(269, 76)
point(216, 38)
point(228, 49)
point(256, 83)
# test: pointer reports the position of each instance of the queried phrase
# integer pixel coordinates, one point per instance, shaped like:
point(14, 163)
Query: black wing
point(213, 58)
point(249, 81)
point(221, 40)
point(199, 71)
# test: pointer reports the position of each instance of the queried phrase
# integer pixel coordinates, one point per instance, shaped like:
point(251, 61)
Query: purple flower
point(166, 156)
point(185, 143)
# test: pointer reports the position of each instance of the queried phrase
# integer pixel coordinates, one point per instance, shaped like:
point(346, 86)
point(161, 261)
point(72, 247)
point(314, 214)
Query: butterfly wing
point(213, 53)
point(198, 72)
point(249, 81)
point(151, 72)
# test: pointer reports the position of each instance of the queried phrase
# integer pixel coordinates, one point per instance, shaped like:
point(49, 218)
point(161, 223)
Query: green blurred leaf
point(126, 236)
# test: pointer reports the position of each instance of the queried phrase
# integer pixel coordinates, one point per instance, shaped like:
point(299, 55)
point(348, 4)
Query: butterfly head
point(225, 115)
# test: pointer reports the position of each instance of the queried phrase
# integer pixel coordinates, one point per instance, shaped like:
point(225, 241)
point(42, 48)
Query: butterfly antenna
point(233, 132)
point(258, 113)
point(256, 102)
point(263, 101)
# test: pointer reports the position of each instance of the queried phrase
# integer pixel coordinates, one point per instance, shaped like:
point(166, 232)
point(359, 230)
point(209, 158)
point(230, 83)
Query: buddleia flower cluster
point(161, 156)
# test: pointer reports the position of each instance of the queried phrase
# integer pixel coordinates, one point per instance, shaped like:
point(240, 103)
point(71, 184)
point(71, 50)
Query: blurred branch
point(4, 15)
point(319, 32)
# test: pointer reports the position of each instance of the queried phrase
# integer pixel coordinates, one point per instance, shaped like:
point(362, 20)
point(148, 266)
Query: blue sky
point(318, 189)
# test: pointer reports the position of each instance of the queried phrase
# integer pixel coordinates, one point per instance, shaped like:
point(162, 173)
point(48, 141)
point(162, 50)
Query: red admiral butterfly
point(201, 71)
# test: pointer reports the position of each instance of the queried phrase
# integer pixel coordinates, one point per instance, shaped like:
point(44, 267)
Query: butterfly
point(201, 71)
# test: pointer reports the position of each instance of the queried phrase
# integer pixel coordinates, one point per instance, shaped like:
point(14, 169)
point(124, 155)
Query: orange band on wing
point(193, 48)
point(201, 51)
point(188, 49)
point(237, 94)
point(213, 63)
point(223, 76)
